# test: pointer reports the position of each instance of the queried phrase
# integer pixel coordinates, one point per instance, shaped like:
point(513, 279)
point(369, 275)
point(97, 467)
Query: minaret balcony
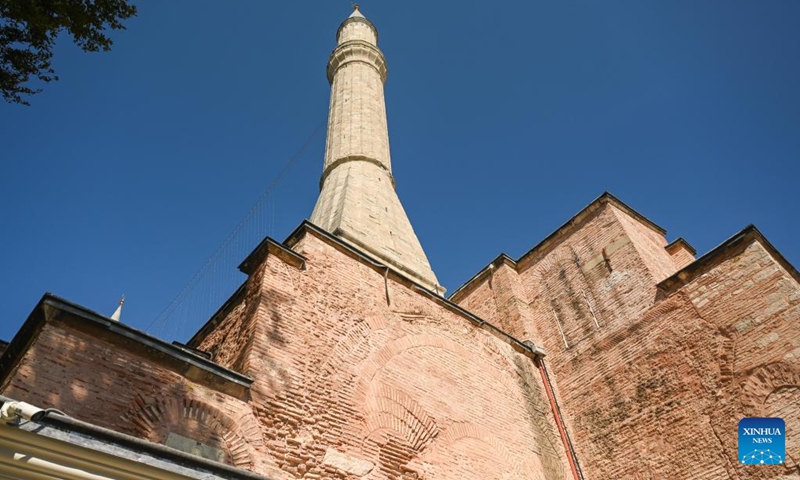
point(357, 51)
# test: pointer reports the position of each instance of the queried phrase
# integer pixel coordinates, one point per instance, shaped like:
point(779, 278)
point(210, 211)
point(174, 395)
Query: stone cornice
point(357, 51)
point(354, 158)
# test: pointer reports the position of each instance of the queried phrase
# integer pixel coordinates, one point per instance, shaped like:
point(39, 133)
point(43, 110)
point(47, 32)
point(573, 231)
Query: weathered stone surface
point(347, 463)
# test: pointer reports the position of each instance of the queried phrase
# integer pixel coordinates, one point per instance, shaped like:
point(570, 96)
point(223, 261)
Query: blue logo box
point(762, 441)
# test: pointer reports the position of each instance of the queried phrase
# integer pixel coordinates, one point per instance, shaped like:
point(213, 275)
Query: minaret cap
point(356, 12)
point(357, 16)
point(118, 312)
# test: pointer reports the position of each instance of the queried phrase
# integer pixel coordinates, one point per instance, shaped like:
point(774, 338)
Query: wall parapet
point(720, 253)
point(526, 348)
point(192, 366)
point(553, 239)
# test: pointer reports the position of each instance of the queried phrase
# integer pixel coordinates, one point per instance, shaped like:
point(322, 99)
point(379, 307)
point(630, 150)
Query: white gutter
point(25, 455)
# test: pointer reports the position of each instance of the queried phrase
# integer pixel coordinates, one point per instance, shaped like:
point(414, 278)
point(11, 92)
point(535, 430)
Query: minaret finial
point(356, 11)
point(118, 312)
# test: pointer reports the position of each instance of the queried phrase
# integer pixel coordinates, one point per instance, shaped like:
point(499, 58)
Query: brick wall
point(116, 388)
point(649, 242)
point(358, 374)
point(593, 274)
point(681, 253)
point(656, 387)
point(755, 301)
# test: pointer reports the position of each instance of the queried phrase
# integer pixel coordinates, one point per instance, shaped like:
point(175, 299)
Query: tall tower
point(357, 200)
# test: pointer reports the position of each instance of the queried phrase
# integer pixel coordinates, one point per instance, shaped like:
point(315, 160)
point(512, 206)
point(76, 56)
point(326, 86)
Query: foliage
point(29, 28)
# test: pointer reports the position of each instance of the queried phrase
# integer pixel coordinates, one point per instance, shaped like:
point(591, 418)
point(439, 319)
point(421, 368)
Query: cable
point(170, 309)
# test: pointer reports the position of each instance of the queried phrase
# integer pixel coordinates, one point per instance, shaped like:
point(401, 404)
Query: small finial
point(356, 11)
point(118, 312)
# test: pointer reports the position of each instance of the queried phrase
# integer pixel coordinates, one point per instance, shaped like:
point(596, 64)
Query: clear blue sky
point(505, 119)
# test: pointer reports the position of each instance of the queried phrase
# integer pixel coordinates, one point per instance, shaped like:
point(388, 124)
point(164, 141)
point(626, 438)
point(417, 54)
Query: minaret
point(118, 312)
point(357, 200)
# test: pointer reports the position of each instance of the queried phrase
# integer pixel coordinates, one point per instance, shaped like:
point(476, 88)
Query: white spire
point(118, 312)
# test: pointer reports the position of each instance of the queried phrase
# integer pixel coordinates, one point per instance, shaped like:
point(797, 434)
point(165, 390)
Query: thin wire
point(176, 302)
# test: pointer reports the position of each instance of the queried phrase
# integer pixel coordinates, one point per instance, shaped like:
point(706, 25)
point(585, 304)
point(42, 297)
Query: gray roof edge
point(678, 242)
point(102, 435)
point(29, 330)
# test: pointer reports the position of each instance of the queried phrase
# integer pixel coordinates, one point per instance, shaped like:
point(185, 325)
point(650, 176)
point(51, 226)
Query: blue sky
point(505, 119)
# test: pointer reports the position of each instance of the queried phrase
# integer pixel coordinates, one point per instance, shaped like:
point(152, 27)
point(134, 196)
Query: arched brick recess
point(507, 467)
point(764, 381)
point(154, 419)
point(378, 359)
point(393, 410)
point(542, 269)
point(394, 456)
point(460, 430)
point(773, 390)
point(398, 429)
point(355, 340)
point(784, 402)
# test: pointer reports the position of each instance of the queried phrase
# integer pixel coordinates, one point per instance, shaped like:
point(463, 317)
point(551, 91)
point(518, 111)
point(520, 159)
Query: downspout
point(386, 285)
point(577, 474)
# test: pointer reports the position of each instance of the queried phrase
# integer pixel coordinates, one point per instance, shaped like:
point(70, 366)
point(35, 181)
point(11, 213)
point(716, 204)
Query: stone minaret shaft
point(357, 201)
